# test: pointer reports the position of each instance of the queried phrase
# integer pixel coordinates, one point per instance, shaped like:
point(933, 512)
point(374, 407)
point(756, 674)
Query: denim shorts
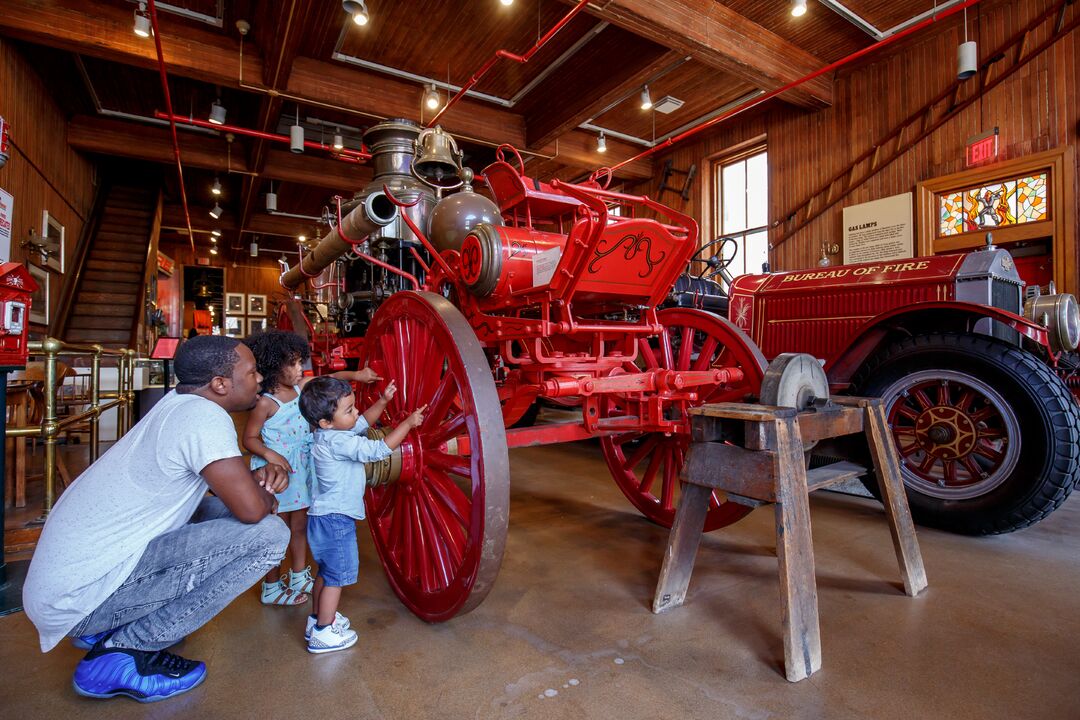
point(332, 539)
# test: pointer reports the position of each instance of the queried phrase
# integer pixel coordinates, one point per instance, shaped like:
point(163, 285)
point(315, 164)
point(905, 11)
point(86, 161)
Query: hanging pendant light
point(601, 144)
point(254, 249)
point(296, 134)
point(339, 141)
point(798, 8)
point(967, 55)
point(358, 10)
point(431, 97)
point(217, 113)
point(271, 199)
point(215, 212)
point(142, 21)
point(216, 187)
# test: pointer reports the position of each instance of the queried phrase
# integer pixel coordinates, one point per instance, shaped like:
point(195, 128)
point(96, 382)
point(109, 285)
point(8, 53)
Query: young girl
point(277, 434)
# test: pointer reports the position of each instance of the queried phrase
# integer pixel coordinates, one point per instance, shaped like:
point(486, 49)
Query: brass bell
point(438, 160)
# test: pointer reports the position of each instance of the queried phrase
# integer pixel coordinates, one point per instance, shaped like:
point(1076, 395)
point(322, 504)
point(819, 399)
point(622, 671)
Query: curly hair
point(275, 350)
point(319, 398)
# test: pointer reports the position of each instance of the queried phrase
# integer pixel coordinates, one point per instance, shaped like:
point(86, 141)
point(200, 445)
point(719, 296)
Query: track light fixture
point(302, 238)
point(339, 142)
point(601, 144)
point(357, 9)
point(271, 199)
point(254, 249)
point(213, 251)
point(217, 113)
point(646, 99)
point(142, 21)
point(216, 187)
point(215, 233)
point(507, 3)
point(431, 97)
point(798, 8)
point(215, 212)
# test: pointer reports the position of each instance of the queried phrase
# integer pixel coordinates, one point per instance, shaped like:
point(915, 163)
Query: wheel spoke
point(457, 464)
point(923, 398)
point(667, 501)
point(425, 553)
point(686, 345)
point(927, 463)
point(704, 359)
point(450, 429)
point(451, 495)
point(383, 498)
point(907, 411)
point(450, 530)
point(949, 467)
point(972, 467)
point(965, 400)
point(992, 454)
point(648, 355)
point(646, 447)
point(650, 471)
point(439, 404)
point(666, 360)
point(437, 545)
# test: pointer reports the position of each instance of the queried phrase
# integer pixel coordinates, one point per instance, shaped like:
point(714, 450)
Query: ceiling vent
point(667, 104)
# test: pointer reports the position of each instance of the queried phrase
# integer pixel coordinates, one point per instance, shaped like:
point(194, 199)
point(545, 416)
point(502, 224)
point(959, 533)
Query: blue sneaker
point(143, 675)
point(87, 642)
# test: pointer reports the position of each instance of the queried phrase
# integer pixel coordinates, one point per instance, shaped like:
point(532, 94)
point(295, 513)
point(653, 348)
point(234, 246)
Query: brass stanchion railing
point(123, 398)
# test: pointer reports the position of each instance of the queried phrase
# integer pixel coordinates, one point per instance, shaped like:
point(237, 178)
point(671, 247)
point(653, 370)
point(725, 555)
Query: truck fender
point(926, 316)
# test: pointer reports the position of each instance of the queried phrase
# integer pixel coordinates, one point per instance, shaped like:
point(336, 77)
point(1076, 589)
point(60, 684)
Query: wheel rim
point(440, 528)
point(646, 466)
point(957, 437)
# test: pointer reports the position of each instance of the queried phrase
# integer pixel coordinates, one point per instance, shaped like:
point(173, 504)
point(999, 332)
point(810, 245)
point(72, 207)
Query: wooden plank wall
point(1036, 109)
point(250, 275)
point(42, 172)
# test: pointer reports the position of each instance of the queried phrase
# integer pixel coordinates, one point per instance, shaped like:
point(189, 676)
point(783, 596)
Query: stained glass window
point(1008, 202)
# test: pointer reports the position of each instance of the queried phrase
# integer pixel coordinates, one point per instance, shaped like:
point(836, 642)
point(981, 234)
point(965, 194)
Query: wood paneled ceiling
point(307, 56)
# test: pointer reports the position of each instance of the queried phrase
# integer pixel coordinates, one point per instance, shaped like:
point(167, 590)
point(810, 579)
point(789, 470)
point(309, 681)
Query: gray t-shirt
point(146, 485)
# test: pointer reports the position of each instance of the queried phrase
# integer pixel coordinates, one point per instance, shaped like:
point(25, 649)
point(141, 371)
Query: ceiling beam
point(631, 66)
point(103, 30)
point(172, 218)
point(722, 38)
point(154, 144)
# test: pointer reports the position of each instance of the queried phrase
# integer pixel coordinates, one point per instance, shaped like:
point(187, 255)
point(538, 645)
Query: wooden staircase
point(108, 298)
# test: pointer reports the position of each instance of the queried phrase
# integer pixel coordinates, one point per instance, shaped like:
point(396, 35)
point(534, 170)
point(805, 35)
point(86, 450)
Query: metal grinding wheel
point(794, 380)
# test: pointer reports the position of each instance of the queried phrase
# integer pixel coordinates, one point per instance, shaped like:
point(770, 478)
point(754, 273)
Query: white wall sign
point(7, 214)
point(879, 230)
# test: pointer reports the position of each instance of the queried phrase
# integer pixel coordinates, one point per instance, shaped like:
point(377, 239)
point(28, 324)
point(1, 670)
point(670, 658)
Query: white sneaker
point(339, 620)
point(330, 638)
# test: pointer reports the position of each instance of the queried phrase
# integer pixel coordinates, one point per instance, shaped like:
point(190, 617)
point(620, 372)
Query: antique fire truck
point(975, 380)
point(479, 308)
point(543, 293)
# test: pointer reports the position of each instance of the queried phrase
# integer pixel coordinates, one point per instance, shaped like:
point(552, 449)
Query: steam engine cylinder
point(500, 260)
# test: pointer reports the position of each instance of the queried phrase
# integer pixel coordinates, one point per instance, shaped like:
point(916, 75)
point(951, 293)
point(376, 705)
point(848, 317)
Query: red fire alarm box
point(16, 286)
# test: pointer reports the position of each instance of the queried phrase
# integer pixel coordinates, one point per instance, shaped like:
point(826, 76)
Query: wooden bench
point(755, 454)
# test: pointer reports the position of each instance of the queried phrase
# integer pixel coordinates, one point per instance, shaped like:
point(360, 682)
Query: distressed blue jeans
point(188, 576)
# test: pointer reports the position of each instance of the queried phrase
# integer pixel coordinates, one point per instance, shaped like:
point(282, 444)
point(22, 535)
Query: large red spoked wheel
point(646, 466)
point(440, 528)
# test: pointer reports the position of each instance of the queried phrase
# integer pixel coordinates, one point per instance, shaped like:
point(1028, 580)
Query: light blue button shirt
point(340, 480)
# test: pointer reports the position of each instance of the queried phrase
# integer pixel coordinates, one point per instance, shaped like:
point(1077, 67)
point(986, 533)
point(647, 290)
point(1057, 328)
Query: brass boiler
point(370, 214)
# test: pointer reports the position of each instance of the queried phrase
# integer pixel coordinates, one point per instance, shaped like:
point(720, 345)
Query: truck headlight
point(1060, 315)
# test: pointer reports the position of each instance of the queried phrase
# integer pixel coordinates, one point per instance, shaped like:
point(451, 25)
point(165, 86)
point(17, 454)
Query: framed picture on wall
point(234, 326)
point(256, 305)
point(39, 301)
point(52, 240)
point(234, 303)
point(255, 325)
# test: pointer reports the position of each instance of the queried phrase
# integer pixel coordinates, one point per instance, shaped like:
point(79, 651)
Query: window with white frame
point(742, 207)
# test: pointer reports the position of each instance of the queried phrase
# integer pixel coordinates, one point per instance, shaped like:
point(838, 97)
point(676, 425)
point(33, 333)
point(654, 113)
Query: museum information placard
point(879, 230)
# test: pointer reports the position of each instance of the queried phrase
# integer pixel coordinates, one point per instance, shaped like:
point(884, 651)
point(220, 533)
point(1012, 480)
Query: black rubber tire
point(1049, 421)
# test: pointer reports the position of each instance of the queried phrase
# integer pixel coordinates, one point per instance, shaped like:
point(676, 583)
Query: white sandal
point(278, 593)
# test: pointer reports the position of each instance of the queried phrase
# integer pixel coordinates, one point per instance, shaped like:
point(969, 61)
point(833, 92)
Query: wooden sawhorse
point(754, 454)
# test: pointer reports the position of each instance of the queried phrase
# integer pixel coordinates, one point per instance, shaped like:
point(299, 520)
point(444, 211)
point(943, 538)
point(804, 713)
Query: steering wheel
point(719, 261)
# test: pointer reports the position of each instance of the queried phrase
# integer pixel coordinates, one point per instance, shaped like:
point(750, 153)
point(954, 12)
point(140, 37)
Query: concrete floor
point(567, 631)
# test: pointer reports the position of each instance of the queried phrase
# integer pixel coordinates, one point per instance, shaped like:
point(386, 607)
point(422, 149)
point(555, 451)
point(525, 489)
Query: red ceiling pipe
point(795, 83)
point(509, 56)
point(344, 154)
point(172, 124)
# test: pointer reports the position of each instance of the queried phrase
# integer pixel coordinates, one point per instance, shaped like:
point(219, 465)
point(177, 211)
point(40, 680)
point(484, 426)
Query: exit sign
point(982, 149)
